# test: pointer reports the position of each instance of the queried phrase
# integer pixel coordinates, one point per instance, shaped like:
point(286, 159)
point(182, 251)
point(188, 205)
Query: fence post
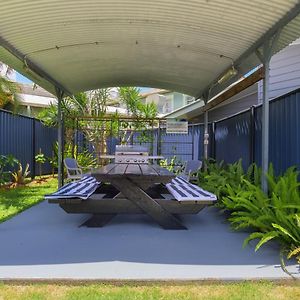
point(33, 150)
point(213, 141)
point(193, 133)
point(63, 148)
point(158, 151)
point(252, 135)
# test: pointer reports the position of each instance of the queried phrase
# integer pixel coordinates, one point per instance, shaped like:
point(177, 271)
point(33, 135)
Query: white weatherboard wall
point(284, 72)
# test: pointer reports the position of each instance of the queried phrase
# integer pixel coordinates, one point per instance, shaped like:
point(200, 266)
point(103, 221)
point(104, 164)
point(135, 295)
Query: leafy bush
point(174, 164)
point(272, 216)
point(220, 178)
point(6, 161)
point(84, 158)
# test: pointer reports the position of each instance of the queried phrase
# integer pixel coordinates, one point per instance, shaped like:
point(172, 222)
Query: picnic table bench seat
point(184, 191)
point(81, 189)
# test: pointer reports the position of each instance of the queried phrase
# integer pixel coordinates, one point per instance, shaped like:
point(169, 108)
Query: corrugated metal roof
point(172, 44)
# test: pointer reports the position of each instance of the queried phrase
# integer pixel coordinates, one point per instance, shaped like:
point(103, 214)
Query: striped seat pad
point(188, 191)
point(179, 180)
point(82, 189)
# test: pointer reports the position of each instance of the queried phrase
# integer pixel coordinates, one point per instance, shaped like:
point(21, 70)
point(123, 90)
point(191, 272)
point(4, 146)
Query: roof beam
point(32, 66)
point(237, 88)
point(288, 17)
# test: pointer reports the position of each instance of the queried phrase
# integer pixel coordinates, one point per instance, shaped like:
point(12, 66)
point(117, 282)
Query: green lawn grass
point(15, 200)
point(213, 291)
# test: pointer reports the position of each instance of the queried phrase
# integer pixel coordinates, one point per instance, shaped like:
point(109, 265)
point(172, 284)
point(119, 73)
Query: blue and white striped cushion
point(183, 191)
point(82, 189)
point(179, 180)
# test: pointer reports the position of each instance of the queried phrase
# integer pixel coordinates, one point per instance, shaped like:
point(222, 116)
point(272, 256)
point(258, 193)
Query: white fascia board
point(36, 101)
point(182, 112)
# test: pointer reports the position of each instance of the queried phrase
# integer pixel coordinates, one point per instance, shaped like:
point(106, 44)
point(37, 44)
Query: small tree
point(40, 159)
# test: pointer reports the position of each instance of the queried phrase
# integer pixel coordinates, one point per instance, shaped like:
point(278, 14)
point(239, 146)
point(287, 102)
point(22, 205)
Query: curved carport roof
point(179, 45)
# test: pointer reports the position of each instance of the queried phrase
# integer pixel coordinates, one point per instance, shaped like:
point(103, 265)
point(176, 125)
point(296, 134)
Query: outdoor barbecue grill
point(131, 154)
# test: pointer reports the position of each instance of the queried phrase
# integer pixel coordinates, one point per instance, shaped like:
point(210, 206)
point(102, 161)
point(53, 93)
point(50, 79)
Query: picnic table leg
point(98, 220)
point(135, 194)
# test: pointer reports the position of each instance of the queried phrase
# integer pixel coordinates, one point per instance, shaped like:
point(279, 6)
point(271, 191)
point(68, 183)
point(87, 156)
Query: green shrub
point(222, 179)
point(271, 216)
point(84, 158)
point(6, 161)
point(174, 164)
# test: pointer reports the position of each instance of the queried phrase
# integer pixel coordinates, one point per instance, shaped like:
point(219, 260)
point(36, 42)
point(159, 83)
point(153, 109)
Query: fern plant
point(271, 216)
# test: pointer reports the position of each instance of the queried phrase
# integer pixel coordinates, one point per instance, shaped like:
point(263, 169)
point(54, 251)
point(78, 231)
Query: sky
point(22, 79)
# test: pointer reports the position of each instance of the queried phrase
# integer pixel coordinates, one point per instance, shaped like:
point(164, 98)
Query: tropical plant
point(6, 161)
point(174, 164)
point(272, 216)
point(143, 116)
point(92, 104)
point(19, 176)
point(84, 158)
point(40, 159)
point(9, 98)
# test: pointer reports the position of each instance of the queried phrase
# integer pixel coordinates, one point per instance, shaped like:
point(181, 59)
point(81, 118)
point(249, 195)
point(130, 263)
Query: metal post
point(265, 57)
point(59, 95)
point(213, 139)
point(62, 148)
point(33, 150)
point(252, 135)
point(265, 127)
point(193, 145)
point(158, 149)
point(205, 140)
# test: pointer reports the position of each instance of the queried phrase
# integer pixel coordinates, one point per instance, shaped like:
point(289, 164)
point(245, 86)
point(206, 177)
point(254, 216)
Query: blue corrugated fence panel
point(284, 147)
point(16, 136)
point(45, 138)
point(232, 139)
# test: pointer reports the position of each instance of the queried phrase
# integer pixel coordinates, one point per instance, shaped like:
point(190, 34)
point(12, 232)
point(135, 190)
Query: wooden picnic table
point(132, 181)
point(131, 189)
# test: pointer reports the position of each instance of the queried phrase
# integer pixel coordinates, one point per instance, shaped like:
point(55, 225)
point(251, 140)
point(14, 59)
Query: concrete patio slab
point(46, 243)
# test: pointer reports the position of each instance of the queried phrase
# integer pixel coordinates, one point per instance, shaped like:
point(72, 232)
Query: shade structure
point(185, 46)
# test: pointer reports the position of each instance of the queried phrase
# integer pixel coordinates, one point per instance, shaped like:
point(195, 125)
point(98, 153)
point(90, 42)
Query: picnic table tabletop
point(133, 170)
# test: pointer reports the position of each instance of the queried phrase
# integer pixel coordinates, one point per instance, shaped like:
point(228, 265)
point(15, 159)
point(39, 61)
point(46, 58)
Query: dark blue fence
point(240, 136)
point(23, 137)
point(233, 139)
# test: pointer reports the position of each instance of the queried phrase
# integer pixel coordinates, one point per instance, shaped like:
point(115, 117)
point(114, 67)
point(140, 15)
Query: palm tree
point(139, 111)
